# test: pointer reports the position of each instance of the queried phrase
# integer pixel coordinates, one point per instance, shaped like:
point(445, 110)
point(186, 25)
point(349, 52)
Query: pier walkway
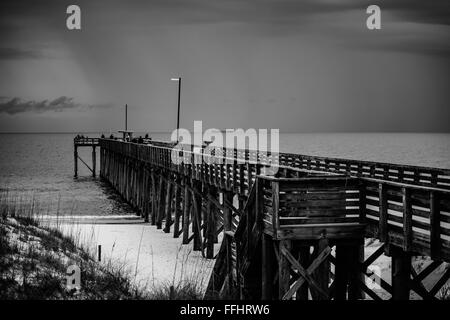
point(296, 234)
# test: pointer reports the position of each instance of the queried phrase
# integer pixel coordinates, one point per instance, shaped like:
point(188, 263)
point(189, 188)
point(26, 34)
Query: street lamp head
point(175, 79)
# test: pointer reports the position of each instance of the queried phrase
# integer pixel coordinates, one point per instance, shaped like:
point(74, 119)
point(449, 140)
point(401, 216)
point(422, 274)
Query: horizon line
point(221, 130)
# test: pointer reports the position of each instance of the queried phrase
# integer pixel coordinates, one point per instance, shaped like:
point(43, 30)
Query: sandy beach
point(151, 256)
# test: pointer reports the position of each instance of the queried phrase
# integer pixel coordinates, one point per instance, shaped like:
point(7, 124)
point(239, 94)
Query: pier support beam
point(154, 196)
point(357, 258)
point(75, 161)
point(187, 208)
point(227, 213)
point(401, 273)
point(283, 268)
point(94, 161)
point(347, 271)
point(197, 216)
point(303, 254)
point(161, 202)
point(147, 194)
point(168, 209)
point(211, 223)
point(321, 275)
point(268, 268)
point(178, 212)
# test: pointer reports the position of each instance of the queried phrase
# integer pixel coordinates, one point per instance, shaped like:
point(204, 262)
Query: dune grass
point(34, 258)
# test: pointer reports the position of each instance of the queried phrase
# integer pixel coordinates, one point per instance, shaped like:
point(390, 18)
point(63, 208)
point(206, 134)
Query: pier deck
point(279, 230)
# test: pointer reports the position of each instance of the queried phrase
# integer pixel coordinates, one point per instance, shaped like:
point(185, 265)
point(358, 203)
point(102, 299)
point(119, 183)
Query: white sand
point(129, 242)
point(159, 257)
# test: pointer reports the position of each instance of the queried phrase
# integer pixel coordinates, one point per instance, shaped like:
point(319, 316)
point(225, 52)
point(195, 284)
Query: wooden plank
point(435, 226)
point(332, 231)
point(407, 220)
point(275, 202)
point(318, 203)
point(323, 212)
point(302, 194)
point(383, 225)
point(292, 221)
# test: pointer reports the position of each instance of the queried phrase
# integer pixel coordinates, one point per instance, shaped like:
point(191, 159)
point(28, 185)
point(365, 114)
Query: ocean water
point(41, 165)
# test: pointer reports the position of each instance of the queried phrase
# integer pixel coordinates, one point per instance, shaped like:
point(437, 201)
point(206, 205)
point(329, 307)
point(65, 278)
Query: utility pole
point(178, 112)
point(126, 117)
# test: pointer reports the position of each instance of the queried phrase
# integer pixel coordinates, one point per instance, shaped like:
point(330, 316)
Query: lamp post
point(178, 112)
point(126, 117)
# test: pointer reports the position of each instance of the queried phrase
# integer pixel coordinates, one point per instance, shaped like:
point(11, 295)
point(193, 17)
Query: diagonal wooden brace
point(305, 275)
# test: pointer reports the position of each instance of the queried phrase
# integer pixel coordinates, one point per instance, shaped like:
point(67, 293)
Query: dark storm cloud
point(265, 17)
point(287, 59)
point(18, 54)
point(294, 11)
point(431, 12)
point(17, 105)
point(198, 11)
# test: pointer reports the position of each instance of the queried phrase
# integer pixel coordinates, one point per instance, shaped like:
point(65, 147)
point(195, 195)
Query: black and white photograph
point(258, 152)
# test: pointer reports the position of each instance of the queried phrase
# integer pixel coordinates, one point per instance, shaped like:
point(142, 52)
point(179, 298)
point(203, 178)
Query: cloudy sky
point(300, 66)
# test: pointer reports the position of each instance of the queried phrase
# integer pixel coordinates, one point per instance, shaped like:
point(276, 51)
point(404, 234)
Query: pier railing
point(84, 142)
point(415, 218)
point(413, 175)
point(284, 199)
point(299, 207)
point(404, 205)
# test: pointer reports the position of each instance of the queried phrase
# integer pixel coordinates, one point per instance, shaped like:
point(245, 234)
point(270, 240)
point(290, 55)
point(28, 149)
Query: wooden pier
point(84, 142)
point(298, 234)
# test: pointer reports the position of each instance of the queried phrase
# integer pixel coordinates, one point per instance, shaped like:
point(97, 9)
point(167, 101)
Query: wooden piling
point(210, 224)
point(161, 202)
point(75, 161)
point(178, 209)
point(227, 213)
point(197, 216)
point(186, 211)
point(400, 273)
point(268, 270)
point(94, 161)
point(341, 272)
point(168, 208)
point(154, 197)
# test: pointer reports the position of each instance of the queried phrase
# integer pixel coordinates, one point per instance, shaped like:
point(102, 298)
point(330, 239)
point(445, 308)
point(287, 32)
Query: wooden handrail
point(410, 175)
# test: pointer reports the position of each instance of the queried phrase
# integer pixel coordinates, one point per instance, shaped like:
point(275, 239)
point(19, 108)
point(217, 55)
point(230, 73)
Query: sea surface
point(41, 165)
